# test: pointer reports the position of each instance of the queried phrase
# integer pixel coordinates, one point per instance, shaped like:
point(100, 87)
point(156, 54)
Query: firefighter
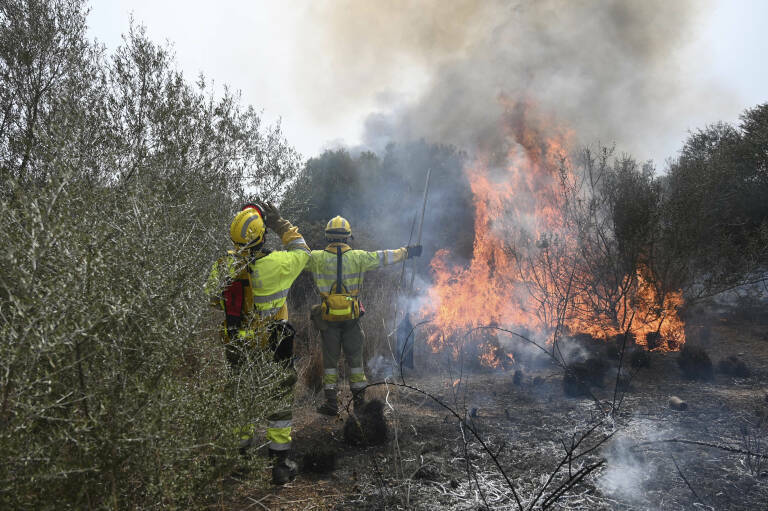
point(251, 284)
point(338, 272)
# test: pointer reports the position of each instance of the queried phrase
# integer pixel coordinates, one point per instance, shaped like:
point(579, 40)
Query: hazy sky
point(277, 55)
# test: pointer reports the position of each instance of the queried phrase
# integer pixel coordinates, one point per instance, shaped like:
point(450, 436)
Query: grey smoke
point(612, 70)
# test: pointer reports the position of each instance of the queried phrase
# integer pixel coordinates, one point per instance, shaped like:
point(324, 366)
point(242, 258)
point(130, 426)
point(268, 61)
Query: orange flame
point(523, 271)
point(488, 356)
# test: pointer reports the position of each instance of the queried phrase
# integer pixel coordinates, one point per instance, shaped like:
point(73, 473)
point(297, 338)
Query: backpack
point(340, 304)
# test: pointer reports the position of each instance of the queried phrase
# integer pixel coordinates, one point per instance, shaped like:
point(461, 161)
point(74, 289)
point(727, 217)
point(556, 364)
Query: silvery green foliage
point(118, 180)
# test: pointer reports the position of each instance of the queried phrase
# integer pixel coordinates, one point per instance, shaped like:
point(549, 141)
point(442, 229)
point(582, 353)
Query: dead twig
point(702, 444)
point(614, 408)
point(685, 480)
point(570, 483)
point(569, 458)
point(471, 474)
point(469, 427)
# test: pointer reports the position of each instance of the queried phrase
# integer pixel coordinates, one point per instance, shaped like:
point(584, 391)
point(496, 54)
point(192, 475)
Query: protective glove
point(413, 251)
point(271, 215)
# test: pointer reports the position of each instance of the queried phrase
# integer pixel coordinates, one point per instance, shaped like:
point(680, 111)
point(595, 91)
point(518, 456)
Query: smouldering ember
point(527, 270)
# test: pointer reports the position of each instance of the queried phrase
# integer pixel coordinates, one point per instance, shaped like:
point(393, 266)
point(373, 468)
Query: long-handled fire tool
point(404, 332)
point(401, 282)
point(421, 224)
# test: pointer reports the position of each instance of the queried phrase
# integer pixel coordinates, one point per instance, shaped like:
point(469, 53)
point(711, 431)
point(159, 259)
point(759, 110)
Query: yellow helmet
point(248, 227)
point(338, 227)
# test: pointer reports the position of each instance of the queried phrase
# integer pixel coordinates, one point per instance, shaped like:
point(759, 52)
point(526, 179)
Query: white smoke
point(627, 471)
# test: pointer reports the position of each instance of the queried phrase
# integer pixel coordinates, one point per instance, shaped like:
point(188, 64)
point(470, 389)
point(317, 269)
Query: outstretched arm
point(380, 258)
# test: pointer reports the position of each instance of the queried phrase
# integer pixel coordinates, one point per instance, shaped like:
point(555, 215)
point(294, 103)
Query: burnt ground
point(424, 464)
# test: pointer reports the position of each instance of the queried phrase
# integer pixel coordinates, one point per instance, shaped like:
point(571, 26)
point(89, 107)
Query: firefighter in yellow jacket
point(338, 271)
point(251, 285)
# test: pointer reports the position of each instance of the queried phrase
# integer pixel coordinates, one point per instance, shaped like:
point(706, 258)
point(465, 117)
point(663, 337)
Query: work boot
point(284, 469)
point(331, 406)
point(358, 399)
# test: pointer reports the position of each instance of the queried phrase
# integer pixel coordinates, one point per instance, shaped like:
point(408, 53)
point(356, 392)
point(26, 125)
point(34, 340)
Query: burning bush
point(553, 254)
point(734, 366)
point(695, 363)
point(653, 340)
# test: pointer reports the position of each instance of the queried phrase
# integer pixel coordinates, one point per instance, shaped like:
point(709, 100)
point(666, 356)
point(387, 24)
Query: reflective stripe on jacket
point(354, 264)
point(273, 274)
point(267, 278)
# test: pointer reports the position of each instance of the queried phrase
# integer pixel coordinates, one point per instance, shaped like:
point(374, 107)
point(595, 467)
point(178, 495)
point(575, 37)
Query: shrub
point(694, 362)
point(114, 387)
point(579, 376)
point(734, 366)
point(639, 359)
point(611, 351)
point(114, 202)
point(573, 382)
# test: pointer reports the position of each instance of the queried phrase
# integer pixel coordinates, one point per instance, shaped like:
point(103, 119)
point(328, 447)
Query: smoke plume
point(614, 71)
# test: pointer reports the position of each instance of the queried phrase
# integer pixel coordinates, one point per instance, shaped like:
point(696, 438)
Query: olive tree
point(119, 178)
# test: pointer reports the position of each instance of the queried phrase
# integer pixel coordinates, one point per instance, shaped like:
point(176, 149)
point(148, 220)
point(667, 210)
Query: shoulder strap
point(339, 284)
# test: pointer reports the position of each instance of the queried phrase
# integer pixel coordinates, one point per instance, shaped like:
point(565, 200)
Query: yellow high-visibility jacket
point(272, 275)
point(266, 279)
point(354, 264)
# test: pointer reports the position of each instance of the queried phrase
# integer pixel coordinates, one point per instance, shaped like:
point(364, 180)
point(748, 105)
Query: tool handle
point(421, 222)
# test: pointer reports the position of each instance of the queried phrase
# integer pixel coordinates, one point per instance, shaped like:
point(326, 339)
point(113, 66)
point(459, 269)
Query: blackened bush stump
point(639, 359)
point(367, 427)
point(695, 364)
point(734, 366)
